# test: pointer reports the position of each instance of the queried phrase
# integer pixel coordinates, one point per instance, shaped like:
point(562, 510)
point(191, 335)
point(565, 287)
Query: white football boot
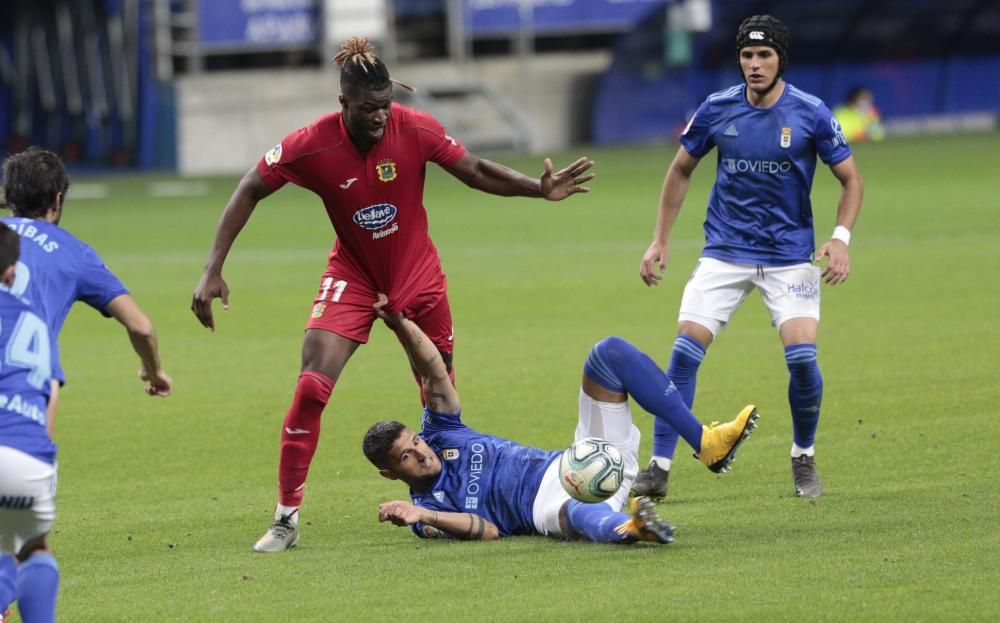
point(283, 534)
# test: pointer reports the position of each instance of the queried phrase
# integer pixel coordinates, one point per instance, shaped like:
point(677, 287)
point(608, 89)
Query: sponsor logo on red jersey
point(375, 217)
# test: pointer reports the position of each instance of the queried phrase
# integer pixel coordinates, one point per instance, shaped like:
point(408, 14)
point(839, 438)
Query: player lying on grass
point(367, 162)
point(469, 485)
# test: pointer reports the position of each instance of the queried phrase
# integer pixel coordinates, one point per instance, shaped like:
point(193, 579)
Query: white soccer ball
point(590, 470)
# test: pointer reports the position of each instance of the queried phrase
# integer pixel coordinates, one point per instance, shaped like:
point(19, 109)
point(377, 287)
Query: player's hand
point(566, 182)
point(399, 513)
point(653, 263)
point(211, 286)
point(158, 383)
point(839, 264)
point(392, 319)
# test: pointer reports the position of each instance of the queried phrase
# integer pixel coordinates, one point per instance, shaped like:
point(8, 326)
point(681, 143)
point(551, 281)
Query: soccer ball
point(590, 470)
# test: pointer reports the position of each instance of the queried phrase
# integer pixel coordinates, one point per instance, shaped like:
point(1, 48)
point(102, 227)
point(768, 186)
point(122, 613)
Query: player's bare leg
point(324, 356)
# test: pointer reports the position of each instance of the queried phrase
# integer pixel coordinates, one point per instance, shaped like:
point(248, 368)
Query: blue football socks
point(619, 366)
point(805, 392)
point(595, 522)
point(8, 577)
point(683, 371)
point(37, 586)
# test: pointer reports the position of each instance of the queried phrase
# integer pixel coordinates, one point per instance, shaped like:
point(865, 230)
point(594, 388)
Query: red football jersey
point(374, 199)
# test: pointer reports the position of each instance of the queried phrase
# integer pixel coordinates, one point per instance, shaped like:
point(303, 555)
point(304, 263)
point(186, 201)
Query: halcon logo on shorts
point(376, 216)
point(806, 290)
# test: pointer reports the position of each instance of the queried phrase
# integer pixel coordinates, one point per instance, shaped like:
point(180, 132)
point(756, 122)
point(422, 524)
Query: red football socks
point(300, 435)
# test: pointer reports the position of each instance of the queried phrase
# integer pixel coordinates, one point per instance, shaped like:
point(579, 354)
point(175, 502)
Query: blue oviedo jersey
point(482, 474)
point(55, 270)
point(759, 211)
point(25, 372)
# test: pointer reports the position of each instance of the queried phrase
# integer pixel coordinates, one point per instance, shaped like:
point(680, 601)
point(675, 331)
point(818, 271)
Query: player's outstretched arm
point(425, 358)
point(675, 188)
point(140, 329)
point(250, 190)
point(466, 526)
point(838, 267)
point(497, 179)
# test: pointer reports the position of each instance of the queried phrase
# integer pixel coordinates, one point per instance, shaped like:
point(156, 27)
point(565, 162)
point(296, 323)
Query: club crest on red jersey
point(386, 170)
point(318, 310)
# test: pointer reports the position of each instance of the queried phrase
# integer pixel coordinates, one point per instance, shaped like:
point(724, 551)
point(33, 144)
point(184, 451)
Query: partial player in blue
point(758, 233)
point(27, 454)
point(466, 484)
point(56, 269)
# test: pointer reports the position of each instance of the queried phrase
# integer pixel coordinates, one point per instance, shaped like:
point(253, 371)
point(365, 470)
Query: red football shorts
point(344, 303)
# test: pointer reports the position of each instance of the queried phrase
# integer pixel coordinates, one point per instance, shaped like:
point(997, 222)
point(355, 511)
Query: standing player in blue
point(55, 270)
point(469, 485)
point(758, 233)
point(27, 454)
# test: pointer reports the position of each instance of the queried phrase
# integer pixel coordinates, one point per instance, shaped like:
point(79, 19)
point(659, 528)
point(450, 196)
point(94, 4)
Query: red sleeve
point(277, 166)
point(438, 145)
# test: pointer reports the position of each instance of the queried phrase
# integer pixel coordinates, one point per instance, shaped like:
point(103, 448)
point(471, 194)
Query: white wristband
point(842, 234)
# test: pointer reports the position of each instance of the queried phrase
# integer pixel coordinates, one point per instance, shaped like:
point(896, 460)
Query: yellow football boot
point(719, 442)
point(645, 524)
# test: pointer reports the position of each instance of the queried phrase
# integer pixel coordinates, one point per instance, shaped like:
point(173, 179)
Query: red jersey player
point(367, 164)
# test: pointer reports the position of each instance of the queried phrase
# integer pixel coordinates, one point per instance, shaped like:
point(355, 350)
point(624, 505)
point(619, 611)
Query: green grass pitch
point(160, 500)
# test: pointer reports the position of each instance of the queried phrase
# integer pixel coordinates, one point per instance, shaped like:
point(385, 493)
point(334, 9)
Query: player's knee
point(603, 362)
point(31, 546)
point(313, 385)
point(614, 350)
point(612, 345)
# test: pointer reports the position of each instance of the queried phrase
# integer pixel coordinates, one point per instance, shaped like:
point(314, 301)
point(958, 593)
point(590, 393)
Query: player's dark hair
point(855, 92)
point(379, 439)
point(765, 30)
point(360, 68)
point(10, 247)
point(31, 181)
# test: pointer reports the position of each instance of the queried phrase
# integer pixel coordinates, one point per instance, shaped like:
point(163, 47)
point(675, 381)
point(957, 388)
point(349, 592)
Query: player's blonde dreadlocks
point(360, 68)
point(359, 50)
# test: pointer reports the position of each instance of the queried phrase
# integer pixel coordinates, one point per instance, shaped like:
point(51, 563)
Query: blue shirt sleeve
point(831, 145)
point(97, 285)
point(697, 136)
point(433, 422)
